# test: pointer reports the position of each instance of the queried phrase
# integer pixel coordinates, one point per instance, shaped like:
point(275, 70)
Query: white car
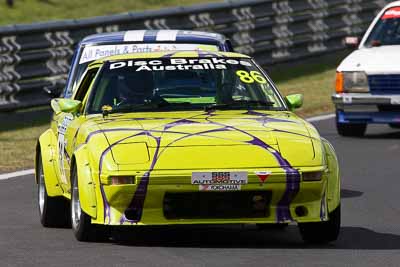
point(368, 80)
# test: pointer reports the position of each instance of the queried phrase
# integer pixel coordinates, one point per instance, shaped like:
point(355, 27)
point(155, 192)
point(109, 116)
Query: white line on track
point(6, 176)
point(321, 118)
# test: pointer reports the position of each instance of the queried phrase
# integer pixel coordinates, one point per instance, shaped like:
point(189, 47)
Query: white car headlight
point(355, 82)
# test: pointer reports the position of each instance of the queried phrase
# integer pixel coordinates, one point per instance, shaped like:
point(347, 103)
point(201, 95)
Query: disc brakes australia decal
point(283, 213)
point(62, 144)
point(179, 64)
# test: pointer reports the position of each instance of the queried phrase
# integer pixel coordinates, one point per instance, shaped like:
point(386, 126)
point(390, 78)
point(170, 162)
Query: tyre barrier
point(34, 57)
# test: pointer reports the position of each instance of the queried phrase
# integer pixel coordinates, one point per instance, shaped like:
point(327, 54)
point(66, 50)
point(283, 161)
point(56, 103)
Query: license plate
point(219, 178)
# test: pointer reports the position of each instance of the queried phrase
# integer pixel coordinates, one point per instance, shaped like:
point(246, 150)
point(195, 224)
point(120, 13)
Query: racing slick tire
point(82, 226)
point(322, 232)
point(53, 211)
point(347, 129)
point(394, 125)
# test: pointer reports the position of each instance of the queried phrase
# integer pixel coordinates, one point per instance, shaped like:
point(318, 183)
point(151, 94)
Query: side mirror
point(352, 42)
point(294, 101)
point(65, 105)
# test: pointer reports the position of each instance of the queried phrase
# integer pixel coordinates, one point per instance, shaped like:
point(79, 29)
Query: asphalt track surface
point(370, 234)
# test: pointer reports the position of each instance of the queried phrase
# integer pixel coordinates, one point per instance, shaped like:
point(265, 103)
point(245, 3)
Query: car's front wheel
point(351, 129)
point(53, 211)
point(322, 232)
point(82, 225)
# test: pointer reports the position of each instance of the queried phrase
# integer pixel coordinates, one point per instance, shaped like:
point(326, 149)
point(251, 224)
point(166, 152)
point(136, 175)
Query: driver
point(133, 89)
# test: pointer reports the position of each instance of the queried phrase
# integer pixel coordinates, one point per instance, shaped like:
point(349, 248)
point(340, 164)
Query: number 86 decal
point(251, 77)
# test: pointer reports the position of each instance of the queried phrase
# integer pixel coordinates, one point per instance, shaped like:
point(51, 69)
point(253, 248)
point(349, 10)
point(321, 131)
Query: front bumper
point(308, 202)
point(367, 108)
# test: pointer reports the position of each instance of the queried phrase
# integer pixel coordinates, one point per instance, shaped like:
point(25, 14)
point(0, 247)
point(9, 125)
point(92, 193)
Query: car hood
point(374, 60)
point(217, 140)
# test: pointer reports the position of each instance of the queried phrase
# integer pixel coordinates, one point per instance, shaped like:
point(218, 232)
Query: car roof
point(168, 54)
point(154, 36)
point(392, 4)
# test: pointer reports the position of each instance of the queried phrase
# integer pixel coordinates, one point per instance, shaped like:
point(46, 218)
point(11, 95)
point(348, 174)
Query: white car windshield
point(387, 29)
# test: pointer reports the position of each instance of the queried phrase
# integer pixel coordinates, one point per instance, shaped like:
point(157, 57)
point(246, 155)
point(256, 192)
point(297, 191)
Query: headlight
point(120, 180)
point(312, 176)
point(352, 82)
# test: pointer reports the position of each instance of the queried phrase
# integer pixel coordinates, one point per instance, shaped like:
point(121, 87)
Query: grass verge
point(19, 132)
point(314, 78)
point(316, 89)
point(28, 11)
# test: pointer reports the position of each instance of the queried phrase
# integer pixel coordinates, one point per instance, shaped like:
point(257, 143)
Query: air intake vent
point(217, 205)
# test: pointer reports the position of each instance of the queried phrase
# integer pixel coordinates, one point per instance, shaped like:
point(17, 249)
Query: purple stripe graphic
point(137, 202)
point(136, 205)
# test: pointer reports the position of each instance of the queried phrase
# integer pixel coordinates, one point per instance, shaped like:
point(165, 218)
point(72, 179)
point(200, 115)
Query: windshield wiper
point(132, 107)
point(144, 107)
point(247, 103)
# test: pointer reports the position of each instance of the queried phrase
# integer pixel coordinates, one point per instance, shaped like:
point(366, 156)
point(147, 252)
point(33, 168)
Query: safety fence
point(36, 57)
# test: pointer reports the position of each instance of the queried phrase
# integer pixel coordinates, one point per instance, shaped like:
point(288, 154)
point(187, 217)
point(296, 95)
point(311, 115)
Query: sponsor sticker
point(219, 181)
point(219, 187)
point(208, 178)
point(263, 176)
point(91, 53)
point(392, 13)
point(62, 144)
point(183, 64)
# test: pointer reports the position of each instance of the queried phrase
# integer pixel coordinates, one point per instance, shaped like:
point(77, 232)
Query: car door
point(66, 127)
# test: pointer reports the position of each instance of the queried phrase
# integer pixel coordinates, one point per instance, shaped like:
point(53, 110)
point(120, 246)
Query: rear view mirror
point(65, 105)
point(294, 101)
point(352, 42)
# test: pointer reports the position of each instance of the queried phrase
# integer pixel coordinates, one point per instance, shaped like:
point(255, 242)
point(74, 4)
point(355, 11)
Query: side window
point(229, 45)
point(85, 84)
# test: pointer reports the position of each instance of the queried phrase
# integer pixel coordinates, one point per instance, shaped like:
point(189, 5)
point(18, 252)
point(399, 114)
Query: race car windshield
point(386, 30)
point(178, 84)
point(92, 53)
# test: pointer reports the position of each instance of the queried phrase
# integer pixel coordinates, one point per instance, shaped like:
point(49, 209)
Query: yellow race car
point(188, 137)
